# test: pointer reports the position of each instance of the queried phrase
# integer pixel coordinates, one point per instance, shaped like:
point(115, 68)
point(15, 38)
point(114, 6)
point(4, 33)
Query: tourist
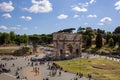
point(18, 77)
point(28, 63)
point(13, 64)
point(16, 73)
point(80, 75)
point(77, 74)
point(20, 67)
point(89, 76)
point(38, 71)
point(59, 73)
point(5, 64)
point(32, 64)
point(47, 78)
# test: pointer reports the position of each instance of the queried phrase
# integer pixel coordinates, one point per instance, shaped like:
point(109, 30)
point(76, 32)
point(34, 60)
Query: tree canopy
point(69, 30)
point(117, 30)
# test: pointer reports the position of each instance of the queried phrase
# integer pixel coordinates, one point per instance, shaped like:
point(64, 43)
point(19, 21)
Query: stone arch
point(67, 44)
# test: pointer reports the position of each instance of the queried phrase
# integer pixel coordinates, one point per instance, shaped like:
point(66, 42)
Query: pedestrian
point(13, 64)
point(47, 78)
point(77, 74)
point(89, 76)
point(38, 71)
point(18, 77)
point(59, 73)
point(16, 73)
point(80, 75)
point(25, 78)
point(20, 67)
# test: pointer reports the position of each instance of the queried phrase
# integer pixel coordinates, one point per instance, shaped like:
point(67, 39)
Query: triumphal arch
point(67, 45)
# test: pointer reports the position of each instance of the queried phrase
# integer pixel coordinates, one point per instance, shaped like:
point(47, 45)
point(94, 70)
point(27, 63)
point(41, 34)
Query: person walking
point(59, 73)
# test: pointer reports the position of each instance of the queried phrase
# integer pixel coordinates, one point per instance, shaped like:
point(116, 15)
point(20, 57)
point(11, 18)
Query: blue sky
point(48, 16)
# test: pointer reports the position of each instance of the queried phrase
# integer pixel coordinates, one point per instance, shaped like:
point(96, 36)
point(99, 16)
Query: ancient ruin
point(67, 45)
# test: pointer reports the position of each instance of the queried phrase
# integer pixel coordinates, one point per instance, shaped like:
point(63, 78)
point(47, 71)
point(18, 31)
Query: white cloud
point(84, 4)
point(76, 16)
point(2, 27)
point(27, 18)
point(62, 16)
point(78, 9)
point(105, 19)
point(100, 24)
point(82, 7)
point(117, 5)
point(41, 6)
point(25, 28)
point(14, 28)
point(92, 1)
point(7, 15)
point(92, 16)
point(6, 7)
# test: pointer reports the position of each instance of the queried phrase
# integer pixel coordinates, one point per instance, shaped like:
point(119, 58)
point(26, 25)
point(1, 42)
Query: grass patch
point(7, 51)
point(105, 49)
point(100, 69)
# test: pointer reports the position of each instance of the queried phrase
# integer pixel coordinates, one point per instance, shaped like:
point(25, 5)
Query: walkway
point(5, 76)
point(64, 75)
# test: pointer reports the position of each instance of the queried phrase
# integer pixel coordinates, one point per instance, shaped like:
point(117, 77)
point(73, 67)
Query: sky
point(48, 16)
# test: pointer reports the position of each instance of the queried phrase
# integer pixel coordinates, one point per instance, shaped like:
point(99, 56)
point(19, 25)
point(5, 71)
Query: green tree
point(12, 37)
point(89, 41)
point(111, 42)
point(108, 36)
point(99, 41)
point(18, 40)
point(119, 41)
point(89, 35)
point(49, 39)
point(5, 38)
point(114, 38)
point(100, 31)
point(117, 30)
point(25, 39)
point(80, 29)
point(69, 30)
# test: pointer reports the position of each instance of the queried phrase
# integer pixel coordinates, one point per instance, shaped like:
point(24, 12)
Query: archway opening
point(61, 52)
point(77, 52)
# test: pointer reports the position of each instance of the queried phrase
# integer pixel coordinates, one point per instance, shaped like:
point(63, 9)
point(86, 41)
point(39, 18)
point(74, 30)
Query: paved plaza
point(21, 66)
